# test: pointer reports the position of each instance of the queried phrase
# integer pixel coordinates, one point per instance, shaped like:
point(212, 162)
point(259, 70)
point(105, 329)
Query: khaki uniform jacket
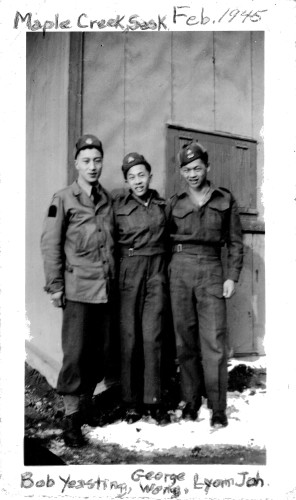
point(77, 245)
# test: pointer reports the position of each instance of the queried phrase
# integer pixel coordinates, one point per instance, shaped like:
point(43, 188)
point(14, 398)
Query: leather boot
point(89, 414)
point(133, 414)
point(219, 418)
point(72, 435)
point(159, 414)
point(189, 412)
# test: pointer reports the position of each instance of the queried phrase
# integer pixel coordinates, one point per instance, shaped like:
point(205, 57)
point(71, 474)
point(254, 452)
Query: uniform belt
point(145, 251)
point(197, 249)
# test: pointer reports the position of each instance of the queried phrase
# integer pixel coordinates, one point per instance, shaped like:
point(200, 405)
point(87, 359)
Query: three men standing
point(78, 250)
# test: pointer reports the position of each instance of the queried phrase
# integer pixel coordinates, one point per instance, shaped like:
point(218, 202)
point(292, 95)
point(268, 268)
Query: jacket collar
point(182, 193)
point(154, 197)
point(78, 191)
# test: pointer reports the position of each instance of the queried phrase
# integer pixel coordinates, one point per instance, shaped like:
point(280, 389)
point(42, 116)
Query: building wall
point(246, 309)
point(46, 172)
point(135, 83)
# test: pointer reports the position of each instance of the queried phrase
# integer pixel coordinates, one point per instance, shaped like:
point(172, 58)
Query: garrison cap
point(191, 152)
point(132, 159)
point(88, 141)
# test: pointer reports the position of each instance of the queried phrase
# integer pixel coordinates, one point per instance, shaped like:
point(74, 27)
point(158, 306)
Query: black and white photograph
point(155, 348)
point(168, 128)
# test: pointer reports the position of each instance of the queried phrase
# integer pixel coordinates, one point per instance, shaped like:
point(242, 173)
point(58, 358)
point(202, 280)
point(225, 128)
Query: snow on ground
point(256, 364)
point(246, 428)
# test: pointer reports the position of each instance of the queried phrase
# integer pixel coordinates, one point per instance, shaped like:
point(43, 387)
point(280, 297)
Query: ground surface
point(116, 442)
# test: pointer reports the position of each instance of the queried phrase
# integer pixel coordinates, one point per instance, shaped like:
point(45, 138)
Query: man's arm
point(235, 250)
point(52, 248)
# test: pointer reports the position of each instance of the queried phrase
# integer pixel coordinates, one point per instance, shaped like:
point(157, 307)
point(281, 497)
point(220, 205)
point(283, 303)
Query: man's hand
point(58, 299)
point(228, 289)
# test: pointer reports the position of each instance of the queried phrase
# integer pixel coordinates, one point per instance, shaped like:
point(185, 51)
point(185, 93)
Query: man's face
point(89, 164)
point(195, 174)
point(138, 179)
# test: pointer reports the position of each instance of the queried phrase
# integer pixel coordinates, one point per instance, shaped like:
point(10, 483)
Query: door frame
point(75, 104)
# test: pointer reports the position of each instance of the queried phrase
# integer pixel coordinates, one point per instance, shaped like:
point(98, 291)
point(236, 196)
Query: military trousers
point(85, 333)
point(199, 316)
point(142, 298)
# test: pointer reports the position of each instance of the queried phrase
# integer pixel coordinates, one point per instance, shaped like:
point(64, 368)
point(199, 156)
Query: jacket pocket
point(86, 283)
point(215, 218)
point(183, 220)
point(87, 241)
point(129, 218)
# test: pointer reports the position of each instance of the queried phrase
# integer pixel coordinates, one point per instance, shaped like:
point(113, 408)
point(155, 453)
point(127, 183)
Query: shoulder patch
point(52, 211)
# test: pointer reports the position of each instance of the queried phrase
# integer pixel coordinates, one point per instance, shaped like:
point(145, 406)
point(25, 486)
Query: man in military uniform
point(202, 219)
point(141, 237)
point(77, 248)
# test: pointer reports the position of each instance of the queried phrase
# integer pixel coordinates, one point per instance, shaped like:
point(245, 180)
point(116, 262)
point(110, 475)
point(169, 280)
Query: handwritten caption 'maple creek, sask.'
point(150, 483)
point(181, 16)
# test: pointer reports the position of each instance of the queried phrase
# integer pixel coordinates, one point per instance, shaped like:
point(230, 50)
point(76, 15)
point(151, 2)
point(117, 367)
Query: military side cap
point(132, 159)
point(191, 152)
point(88, 141)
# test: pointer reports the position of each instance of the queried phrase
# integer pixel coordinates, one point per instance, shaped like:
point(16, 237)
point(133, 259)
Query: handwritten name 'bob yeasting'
point(84, 22)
